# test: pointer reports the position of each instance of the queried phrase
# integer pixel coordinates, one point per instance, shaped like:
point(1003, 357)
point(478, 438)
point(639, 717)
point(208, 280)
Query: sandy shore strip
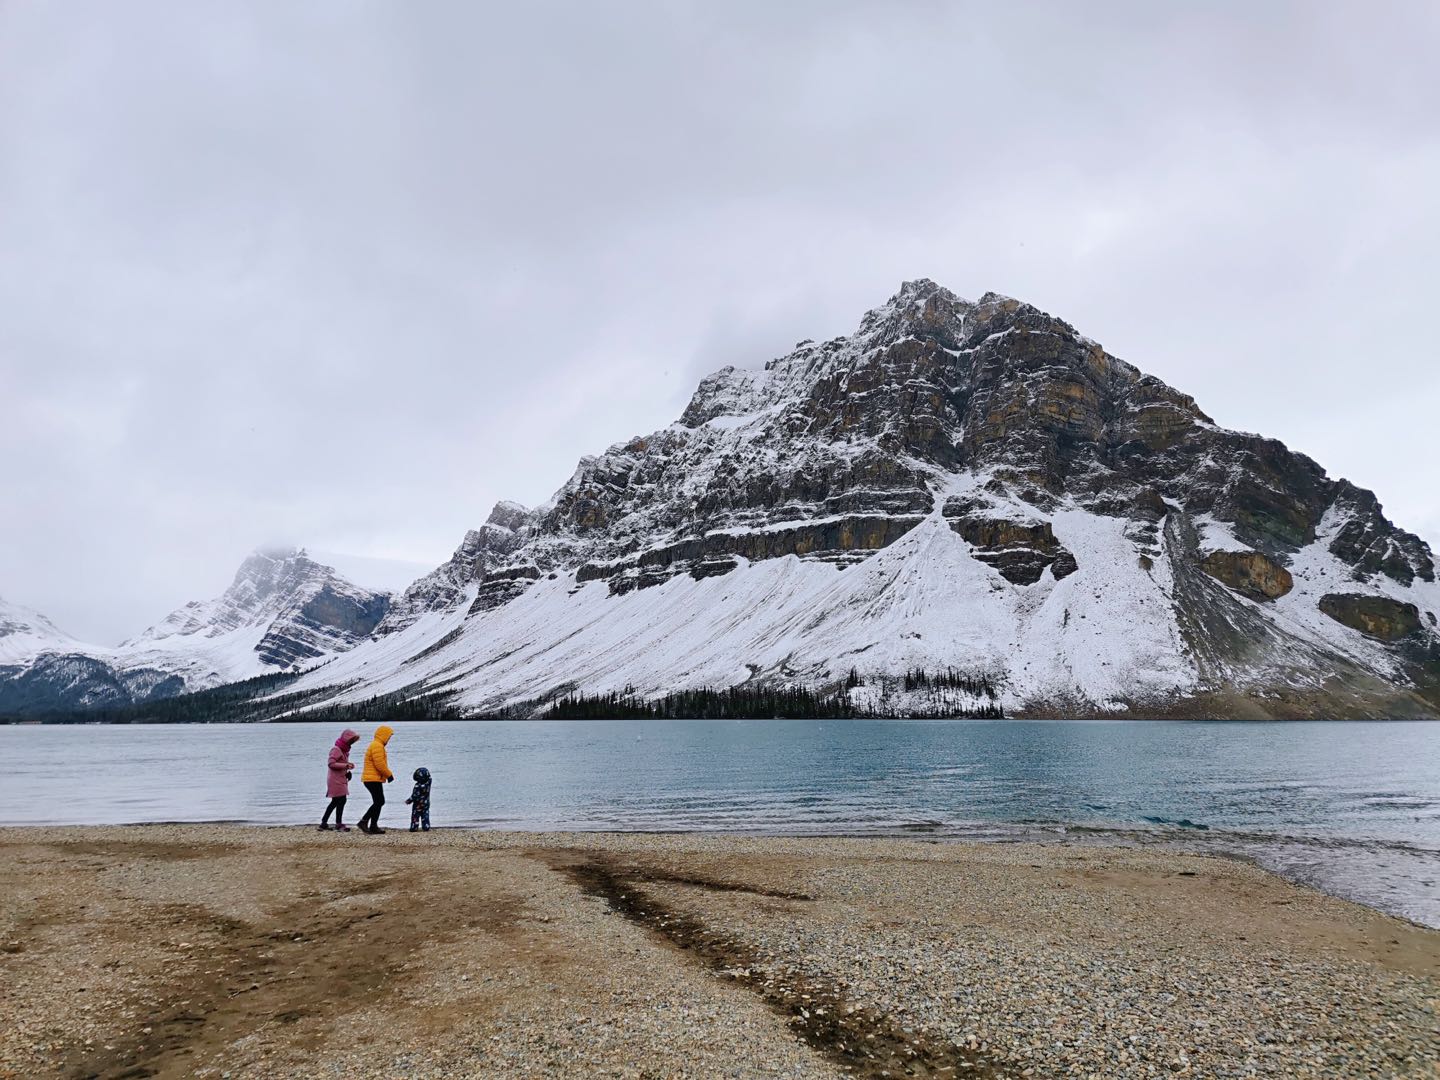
point(227, 951)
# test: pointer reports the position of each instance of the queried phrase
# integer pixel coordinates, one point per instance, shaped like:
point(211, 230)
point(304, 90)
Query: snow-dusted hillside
point(958, 485)
point(283, 611)
point(24, 633)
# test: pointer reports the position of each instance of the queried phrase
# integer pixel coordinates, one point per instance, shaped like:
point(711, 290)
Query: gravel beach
point(225, 952)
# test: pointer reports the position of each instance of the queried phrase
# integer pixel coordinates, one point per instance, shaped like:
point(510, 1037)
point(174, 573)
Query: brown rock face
point(1377, 616)
point(1249, 573)
point(1020, 551)
point(856, 427)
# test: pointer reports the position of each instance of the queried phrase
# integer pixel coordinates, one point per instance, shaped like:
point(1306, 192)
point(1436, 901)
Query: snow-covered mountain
point(282, 612)
point(24, 632)
point(961, 486)
point(957, 485)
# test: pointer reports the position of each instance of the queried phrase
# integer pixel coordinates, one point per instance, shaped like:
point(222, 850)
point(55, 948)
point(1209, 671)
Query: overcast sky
point(344, 274)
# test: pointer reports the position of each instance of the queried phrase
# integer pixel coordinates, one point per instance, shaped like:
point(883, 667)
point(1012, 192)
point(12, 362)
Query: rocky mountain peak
point(299, 609)
point(921, 309)
point(858, 428)
point(1054, 519)
point(270, 570)
point(265, 581)
point(508, 515)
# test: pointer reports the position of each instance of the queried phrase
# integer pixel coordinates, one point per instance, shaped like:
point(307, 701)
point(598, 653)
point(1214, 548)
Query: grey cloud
point(347, 273)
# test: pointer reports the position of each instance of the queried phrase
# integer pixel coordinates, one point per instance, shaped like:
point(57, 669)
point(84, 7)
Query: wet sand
point(215, 951)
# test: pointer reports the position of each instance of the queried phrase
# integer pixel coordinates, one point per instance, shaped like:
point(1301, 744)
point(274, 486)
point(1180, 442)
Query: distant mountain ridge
point(282, 611)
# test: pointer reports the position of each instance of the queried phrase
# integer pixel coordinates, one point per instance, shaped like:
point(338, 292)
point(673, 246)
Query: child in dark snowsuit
point(419, 801)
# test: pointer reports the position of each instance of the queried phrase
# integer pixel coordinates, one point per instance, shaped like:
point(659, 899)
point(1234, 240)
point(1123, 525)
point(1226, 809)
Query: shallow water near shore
point(1353, 808)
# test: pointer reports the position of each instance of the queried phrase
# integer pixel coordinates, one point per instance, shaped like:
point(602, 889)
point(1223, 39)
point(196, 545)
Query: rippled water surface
point(1352, 807)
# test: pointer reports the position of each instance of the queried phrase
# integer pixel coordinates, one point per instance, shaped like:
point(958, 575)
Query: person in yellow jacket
point(376, 775)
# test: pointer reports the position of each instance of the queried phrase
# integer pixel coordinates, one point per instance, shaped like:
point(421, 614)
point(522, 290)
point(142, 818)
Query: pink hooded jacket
point(338, 782)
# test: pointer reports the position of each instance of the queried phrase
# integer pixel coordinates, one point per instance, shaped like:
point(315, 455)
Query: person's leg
point(377, 802)
point(425, 816)
point(339, 811)
point(369, 810)
point(415, 816)
point(325, 817)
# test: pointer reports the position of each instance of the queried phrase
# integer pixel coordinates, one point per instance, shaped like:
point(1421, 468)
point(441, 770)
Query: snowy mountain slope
point(958, 485)
point(24, 632)
point(925, 601)
point(282, 611)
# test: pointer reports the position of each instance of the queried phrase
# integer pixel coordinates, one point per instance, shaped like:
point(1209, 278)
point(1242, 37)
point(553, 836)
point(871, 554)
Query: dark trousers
point(337, 807)
point(371, 820)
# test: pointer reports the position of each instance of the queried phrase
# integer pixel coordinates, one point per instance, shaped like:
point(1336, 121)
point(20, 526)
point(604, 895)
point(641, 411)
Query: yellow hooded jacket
point(377, 769)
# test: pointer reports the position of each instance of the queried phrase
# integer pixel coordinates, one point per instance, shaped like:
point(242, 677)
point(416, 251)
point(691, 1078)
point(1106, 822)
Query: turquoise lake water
point(1351, 807)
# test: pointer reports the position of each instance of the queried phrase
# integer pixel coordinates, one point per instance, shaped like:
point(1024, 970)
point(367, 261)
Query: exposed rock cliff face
point(306, 610)
point(454, 583)
point(1249, 573)
point(958, 485)
point(283, 610)
point(1022, 552)
point(1377, 616)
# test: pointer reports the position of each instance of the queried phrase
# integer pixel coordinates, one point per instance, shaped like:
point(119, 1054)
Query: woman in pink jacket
point(337, 783)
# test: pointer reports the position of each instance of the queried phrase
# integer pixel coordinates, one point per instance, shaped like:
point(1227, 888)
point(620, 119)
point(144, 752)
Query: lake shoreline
point(1352, 809)
point(1264, 852)
point(204, 949)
